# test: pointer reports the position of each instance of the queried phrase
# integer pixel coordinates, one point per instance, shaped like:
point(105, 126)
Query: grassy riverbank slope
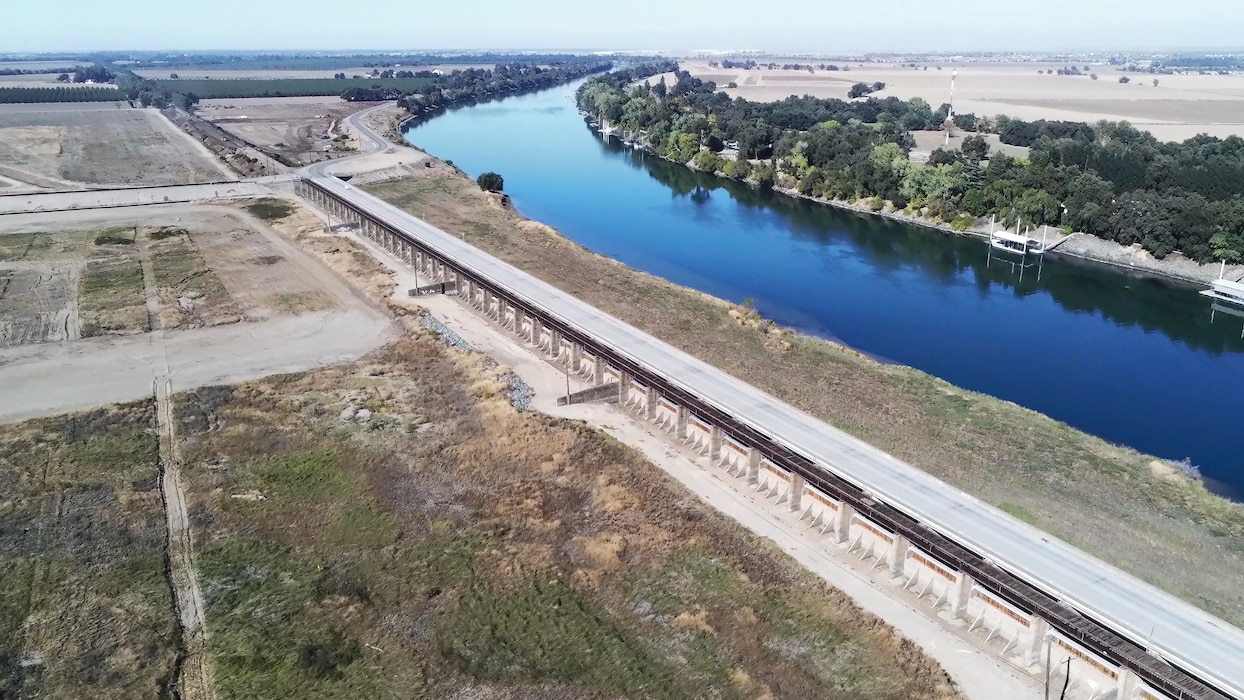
point(1124, 507)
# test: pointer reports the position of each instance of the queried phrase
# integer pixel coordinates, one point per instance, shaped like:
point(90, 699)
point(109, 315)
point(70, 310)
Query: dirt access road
point(50, 378)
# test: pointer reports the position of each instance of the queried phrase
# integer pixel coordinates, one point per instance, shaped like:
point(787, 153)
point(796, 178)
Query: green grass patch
point(167, 232)
point(542, 630)
point(300, 476)
point(268, 639)
point(300, 302)
point(23, 246)
point(111, 297)
point(270, 209)
point(113, 240)
point(1018, 511)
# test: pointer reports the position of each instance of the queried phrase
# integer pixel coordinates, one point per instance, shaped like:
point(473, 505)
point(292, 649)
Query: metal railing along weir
point(1093, 635)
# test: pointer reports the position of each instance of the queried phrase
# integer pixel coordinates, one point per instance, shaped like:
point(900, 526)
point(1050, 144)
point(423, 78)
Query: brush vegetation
point(452, 547)
point(85, 610)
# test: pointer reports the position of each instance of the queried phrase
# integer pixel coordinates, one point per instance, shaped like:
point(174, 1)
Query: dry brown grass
point(85, 610)
point(1104, 499)
point(452, 547)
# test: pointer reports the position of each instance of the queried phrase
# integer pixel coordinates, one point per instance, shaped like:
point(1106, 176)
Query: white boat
point(1225, 290)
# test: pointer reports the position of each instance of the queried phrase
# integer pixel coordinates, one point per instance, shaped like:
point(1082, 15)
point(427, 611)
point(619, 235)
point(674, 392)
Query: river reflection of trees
point(1152, 303)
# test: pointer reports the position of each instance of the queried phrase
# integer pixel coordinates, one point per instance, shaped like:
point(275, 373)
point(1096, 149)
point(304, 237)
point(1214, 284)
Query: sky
point(828, 26)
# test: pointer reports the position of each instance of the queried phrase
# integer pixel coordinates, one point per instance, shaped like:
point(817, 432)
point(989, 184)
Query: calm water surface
point(1137, 361)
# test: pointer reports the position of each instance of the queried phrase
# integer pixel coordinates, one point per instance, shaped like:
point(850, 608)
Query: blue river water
point(1138, 361)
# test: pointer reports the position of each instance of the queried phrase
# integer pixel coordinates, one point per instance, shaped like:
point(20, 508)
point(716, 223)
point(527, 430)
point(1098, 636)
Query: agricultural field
point(84, 607)
point(37, 93)
point(299, 87)
point(1179, 107)
point(58, 93)
point(199, 268)
point(196, 73)
point(104, 144)
point(30, 80)
point(447, 545)
point(294, 127)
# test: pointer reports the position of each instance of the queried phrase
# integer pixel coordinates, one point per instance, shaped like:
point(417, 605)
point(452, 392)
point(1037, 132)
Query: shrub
point(490, 182)
point(709, 162)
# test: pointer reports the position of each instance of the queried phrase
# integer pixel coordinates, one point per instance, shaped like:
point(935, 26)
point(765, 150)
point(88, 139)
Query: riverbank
point(1129, 509)
point(1080, 245)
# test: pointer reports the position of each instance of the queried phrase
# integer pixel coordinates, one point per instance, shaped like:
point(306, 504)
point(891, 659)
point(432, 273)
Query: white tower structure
point(950, 116)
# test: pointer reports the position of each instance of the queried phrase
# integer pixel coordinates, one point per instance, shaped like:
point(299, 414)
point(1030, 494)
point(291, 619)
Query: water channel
point(1135, 360)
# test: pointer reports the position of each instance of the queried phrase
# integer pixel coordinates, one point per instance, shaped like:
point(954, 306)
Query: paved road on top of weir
point(1180, 632)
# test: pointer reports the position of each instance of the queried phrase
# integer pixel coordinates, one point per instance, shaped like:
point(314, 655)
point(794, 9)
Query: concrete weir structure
point(1043, 605)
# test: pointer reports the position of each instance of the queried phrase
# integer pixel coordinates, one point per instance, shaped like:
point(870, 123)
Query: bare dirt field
point(290, 126)
point(200, 267)
point(1108, 501)
point(1180, 107)
point(206, 294)
point(63, 148)
point(36, 80)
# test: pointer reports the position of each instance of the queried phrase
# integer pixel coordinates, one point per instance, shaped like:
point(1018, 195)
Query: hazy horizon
point(903, 26)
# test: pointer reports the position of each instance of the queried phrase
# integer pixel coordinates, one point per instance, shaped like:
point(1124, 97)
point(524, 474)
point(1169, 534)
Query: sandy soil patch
point(99, 147)
point(37, 302)
point(1180, 107)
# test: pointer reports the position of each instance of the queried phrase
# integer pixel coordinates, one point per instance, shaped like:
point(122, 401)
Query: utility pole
point(1049, 643)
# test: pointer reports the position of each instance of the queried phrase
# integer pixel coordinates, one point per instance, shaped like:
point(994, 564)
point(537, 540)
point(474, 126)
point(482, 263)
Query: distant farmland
point(286, 87)
point(17, 95)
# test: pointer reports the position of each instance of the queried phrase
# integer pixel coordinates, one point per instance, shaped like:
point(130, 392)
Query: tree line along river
point(1137, 361)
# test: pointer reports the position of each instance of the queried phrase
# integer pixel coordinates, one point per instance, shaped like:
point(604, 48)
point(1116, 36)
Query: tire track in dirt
point(192, 674)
